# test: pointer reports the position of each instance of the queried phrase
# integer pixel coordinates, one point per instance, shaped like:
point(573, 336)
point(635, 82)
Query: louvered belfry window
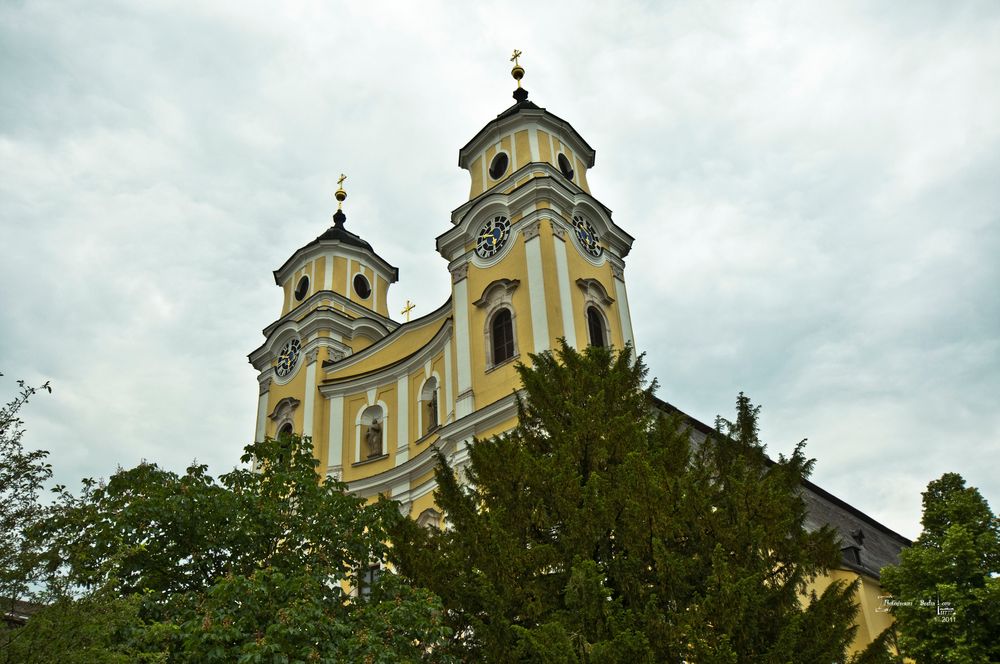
point(596, 327)
point(502, 332)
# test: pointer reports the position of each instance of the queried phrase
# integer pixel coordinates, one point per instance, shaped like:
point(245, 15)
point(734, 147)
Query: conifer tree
point(595, 532)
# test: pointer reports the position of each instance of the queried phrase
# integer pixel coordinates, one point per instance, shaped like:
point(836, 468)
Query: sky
point(814, 189)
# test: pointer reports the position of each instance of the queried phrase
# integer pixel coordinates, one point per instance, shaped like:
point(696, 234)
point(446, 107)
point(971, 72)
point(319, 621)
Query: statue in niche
point(432, 411)
point(374, 439)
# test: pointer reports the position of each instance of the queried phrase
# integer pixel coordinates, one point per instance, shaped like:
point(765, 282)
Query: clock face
point(287, 358)
point(492, 236)
point(587, 236)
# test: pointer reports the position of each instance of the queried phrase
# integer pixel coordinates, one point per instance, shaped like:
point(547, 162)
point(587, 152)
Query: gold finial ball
point(518, 73)
point(340, 193)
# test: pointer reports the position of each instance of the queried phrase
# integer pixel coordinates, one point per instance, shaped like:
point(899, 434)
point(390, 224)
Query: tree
point(946, 587)
point(22, 474)
point(255, 566)
point(595, 532)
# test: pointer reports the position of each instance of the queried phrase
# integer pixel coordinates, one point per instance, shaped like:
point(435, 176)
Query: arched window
point(283, 416)
point(502, 336)
point(595, 326)
point(429, 405)
point(499, 316)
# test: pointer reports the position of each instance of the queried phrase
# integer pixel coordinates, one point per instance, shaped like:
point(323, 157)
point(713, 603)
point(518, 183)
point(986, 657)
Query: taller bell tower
point(533, 255)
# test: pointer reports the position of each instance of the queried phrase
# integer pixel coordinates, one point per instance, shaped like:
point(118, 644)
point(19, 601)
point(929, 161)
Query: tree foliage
point(22, 474)
point(255, 566)
point(946, 590)
point(596, 532)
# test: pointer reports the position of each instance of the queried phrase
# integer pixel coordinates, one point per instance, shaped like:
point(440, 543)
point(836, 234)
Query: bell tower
point(534, 257)
point(333, 306)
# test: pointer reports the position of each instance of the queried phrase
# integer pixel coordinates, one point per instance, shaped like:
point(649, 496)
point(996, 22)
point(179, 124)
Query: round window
point(499, 165)
point(302, 288)
point(565, 166)
point(362, 287)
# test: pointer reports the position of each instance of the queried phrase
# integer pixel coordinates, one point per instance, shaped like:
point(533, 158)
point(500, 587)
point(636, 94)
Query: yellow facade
point(533, 257)
point(873, 615)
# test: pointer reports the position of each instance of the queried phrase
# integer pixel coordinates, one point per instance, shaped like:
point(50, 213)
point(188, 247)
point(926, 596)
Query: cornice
point(321, 317)
point(527, 118)
point(530, 170)
point(313, 303)
point(560, 198)
point(318, 248)
point(442, 312)
point(389, 373)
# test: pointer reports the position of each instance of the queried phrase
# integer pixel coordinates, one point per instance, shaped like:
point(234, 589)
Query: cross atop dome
point(339, 217)
point(517, 72)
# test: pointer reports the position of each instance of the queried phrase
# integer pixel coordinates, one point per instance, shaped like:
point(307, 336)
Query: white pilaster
point(533, 144)
point(565, 297)
point(448, 405)
point(402, 420)
point(328, 273)
point(310, 396)
point(335, 441)
point(465, 402)
point(536, 290)
point(262, 411)
point(623, 311)
point(401, 492)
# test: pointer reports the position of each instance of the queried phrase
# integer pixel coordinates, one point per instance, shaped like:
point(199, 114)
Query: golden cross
point(514, 57)
point(407, 309)
point(340, 194)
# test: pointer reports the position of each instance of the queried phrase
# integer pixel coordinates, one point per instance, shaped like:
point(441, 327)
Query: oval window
point(565, 166)
point(302, 288)
point(499, 165)
point(362, 287)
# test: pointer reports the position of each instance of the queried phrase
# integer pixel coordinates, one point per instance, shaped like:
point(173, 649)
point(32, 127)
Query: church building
point(533, 256)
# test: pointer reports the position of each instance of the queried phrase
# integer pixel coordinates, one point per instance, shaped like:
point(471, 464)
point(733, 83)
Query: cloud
point(812, 192)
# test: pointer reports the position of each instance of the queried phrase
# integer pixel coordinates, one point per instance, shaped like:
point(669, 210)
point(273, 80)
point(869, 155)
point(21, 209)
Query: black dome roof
point(338, 232)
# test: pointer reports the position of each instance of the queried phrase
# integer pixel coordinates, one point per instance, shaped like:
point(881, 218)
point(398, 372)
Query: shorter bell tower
point(334, 305)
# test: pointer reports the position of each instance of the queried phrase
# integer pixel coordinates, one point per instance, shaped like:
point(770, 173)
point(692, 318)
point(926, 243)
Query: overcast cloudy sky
point(814, 189)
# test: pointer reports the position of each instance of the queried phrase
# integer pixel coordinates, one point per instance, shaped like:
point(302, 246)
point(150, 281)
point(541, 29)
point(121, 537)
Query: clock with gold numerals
point(287, 358)
point(492, 236)
point(587, 236)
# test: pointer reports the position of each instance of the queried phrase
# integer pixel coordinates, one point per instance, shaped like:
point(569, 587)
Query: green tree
point(22, 474)
point(946, 589)
point(255, 566)
point(99, 628)
point(595, 532)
